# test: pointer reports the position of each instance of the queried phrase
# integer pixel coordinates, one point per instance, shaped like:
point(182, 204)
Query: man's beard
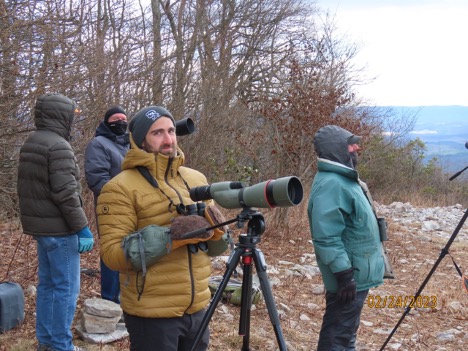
point(163, 150)
point(169, 153)
point(354, 159)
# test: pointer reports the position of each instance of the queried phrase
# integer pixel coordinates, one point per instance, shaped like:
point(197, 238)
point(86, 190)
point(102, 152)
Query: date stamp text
point(400, 301)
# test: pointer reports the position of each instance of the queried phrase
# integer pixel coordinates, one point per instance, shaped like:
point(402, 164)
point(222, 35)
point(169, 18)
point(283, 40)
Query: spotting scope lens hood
point(184, 126)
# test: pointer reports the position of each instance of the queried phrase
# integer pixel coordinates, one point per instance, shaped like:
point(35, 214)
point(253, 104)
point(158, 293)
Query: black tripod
point(443, 252)
point(246, 248)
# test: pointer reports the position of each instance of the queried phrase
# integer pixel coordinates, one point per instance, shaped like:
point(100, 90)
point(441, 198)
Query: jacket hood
point(54, 112)
point(331, 143)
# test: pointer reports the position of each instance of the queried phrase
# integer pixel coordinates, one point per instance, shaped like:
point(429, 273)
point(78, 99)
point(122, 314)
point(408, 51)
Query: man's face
point(117, 117)
point(353, 149)
point(161, 138)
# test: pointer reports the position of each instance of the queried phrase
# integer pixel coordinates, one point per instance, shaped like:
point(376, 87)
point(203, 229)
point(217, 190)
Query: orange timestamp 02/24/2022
point(401, 301)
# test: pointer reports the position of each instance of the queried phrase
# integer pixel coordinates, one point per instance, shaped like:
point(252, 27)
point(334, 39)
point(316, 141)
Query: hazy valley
point(444, 130)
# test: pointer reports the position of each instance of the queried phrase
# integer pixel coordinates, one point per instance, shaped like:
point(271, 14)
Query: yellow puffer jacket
point(178, 282)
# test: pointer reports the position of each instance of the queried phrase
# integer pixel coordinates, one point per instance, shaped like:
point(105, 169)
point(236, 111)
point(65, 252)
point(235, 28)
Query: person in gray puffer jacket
point(51, 211)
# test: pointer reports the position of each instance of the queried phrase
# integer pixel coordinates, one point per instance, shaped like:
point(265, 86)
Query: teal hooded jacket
point(344, 228)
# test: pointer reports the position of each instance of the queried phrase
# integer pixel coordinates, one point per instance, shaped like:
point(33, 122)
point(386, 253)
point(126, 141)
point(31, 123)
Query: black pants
point(340, 323)
point(166, 334)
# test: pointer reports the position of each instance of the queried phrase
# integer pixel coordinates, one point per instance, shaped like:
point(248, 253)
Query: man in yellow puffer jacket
point(164, 305)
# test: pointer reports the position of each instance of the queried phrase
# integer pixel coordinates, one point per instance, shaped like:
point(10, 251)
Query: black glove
point(346, 285)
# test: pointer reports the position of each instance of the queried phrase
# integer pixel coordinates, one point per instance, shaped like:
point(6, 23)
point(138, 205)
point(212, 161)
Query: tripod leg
point(246, 302)
point(230, 267)
point(261, 267)
point(443, 252)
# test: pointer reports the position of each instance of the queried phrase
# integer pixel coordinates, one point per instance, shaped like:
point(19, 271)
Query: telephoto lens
point(185, 126)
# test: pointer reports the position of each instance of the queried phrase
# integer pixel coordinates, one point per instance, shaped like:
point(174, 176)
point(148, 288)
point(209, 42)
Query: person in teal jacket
point(345, 236)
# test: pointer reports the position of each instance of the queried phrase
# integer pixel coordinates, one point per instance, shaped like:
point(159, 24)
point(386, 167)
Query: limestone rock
point(98, 325)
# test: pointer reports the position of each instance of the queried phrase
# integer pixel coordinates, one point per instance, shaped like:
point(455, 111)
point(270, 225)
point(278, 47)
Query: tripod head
point(256, 221)
point(255, 226)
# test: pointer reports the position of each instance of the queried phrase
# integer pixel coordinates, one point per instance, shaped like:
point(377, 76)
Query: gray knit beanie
point(142, 121)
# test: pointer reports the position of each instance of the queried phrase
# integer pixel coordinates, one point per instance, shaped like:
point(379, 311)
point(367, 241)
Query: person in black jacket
point(103, 161)
point(51, 211)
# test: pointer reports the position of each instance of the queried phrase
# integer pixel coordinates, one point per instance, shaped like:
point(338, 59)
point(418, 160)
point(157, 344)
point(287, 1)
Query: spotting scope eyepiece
point(184, 126)
point(281, 192)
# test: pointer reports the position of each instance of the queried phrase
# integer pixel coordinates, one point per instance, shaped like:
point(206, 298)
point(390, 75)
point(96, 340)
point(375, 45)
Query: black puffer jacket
point(48, 174)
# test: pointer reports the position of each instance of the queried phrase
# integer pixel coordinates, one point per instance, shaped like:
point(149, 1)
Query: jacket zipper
point(192, 284)
point(167, 180)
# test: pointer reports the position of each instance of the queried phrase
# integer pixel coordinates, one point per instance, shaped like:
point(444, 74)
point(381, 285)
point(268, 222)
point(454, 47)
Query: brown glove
point(183, 225)
point(214, 216)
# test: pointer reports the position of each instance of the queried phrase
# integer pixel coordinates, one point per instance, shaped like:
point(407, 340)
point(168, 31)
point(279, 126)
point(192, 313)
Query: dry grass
point(417, 331)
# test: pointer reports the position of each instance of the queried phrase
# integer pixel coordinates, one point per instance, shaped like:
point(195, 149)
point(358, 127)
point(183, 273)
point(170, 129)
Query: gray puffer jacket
point(48, 174)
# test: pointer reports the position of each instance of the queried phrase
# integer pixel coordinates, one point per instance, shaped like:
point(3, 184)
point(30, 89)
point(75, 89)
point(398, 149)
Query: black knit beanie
point(112, 111)
point(142, 121)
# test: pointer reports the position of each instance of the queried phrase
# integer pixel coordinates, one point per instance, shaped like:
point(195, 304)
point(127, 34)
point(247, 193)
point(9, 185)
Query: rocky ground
point(438, 320)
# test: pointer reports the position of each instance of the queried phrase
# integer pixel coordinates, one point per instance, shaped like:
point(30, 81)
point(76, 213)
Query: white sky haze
point(417, 50)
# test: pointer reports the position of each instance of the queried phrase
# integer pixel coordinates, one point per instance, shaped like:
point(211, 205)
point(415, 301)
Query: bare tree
point(242, 46)
point(66, 47)
point(257, 76)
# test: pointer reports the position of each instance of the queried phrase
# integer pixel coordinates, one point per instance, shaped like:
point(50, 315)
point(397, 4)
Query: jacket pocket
point(367, 263)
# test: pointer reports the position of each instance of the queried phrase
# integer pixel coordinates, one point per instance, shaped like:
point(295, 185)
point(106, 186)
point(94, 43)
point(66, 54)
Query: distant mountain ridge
point(444, 130)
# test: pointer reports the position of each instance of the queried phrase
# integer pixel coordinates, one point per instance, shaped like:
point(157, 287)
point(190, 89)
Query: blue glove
point(85, 240)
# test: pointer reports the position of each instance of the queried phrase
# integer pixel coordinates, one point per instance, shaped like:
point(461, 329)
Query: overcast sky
point(417, 50)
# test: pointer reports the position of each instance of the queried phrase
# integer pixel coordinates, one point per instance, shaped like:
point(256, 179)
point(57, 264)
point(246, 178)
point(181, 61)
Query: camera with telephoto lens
point(281, 192)
point(184, 126)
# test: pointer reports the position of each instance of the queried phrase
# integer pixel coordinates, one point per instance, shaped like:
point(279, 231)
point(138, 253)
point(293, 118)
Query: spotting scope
point(281, 192)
